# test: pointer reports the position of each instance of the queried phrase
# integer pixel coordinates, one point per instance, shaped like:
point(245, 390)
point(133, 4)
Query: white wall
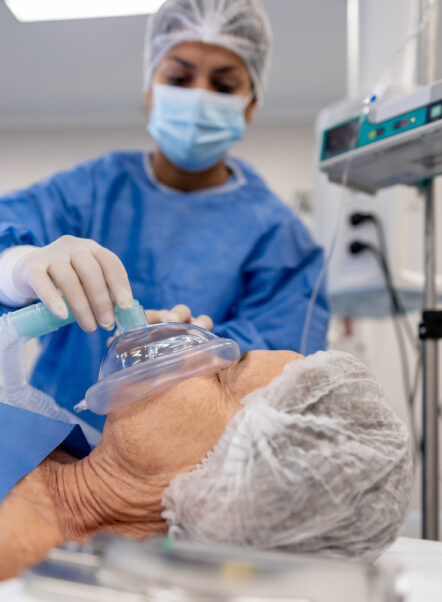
point(282, 153)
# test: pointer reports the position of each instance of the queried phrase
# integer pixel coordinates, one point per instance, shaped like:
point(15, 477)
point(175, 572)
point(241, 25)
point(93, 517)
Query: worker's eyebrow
point(217, 70)
point(182, 62)
point(226, 69)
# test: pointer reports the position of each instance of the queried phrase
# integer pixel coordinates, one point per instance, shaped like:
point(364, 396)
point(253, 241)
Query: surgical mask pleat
point(195, 128)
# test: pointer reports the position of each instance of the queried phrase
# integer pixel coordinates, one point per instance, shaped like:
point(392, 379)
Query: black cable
point(355, 248)
point(357, 219)
point(398, 311)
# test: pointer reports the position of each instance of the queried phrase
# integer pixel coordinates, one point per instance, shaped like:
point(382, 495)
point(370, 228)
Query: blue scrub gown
point(234, 252)
point(26, 439)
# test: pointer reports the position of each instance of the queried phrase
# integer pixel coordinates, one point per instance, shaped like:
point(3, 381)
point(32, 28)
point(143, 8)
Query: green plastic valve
point(37, 320)
point(131, 319)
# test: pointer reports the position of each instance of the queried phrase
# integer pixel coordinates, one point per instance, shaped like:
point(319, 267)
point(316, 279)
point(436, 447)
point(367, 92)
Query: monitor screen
point(342, 138)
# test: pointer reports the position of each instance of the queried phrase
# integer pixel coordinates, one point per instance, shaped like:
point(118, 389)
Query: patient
point(272, 452)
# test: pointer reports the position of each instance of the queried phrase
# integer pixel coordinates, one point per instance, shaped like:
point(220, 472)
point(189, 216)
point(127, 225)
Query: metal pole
point(353, 49)
point(430, 401)
point(433, 6)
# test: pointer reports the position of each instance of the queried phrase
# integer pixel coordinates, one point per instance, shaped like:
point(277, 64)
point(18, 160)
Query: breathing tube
point(15, 329)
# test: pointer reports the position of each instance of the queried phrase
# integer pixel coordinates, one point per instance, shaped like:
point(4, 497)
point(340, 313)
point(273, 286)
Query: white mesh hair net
point(315, 462)
point(238, 25)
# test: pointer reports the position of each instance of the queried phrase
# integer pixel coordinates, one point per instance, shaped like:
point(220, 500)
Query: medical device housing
point(397, 142)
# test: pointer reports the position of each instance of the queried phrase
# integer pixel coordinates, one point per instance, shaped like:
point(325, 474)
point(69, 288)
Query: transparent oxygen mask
point(147, 359)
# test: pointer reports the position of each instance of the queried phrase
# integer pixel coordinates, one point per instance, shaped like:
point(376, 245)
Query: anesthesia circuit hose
point(15, 329)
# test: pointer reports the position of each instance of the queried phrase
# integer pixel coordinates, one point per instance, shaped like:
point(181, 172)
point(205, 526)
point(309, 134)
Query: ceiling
point(90, 72)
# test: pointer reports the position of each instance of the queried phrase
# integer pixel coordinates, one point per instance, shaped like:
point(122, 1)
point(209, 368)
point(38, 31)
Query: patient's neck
point(95, 494)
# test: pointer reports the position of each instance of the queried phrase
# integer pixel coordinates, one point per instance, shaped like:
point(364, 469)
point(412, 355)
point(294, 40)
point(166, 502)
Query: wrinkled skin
point(118, 488)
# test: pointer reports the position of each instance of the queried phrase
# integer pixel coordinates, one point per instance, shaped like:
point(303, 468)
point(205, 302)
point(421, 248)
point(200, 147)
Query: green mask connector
point(130, 319)
point(37, 320)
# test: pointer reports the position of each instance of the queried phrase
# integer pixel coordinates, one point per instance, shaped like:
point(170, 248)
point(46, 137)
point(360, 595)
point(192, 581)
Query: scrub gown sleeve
point(27, 438)
point(40, 214)
point(279, 279)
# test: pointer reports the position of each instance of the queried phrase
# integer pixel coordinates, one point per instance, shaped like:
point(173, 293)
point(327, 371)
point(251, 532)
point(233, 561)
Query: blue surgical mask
point(195, 128)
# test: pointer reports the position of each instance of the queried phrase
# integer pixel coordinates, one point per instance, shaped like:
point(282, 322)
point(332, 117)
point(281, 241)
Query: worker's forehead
point(196, 54)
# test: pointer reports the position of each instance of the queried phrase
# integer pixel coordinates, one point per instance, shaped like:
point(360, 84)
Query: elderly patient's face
point(173, 431)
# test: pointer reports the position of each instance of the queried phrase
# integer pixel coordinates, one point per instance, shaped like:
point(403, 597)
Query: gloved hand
point(179, 313)
point(85, 273)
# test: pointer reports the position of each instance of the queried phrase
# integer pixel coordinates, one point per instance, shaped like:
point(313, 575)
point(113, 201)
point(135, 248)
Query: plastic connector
point(37, 320)
point(131, 319)
point(356, 219)
point(357, 247)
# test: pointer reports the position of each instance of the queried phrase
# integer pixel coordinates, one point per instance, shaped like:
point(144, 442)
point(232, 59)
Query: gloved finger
point(155, 316)
point(112, 338)
point(179, 313)
point(66, 279)
point(39, 280)
point(115, 276)
point(94, 285)
point(203, 321)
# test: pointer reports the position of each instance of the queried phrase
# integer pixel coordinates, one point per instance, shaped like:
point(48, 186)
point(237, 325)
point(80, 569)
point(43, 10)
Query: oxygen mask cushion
point(145, 362)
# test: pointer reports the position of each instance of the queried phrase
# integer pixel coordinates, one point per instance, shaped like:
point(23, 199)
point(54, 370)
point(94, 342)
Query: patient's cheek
point(259, 369)
point(196, 416)
point(173, 432)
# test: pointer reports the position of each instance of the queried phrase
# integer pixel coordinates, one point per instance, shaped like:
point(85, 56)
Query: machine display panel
point(435, 111)
point(342, 138)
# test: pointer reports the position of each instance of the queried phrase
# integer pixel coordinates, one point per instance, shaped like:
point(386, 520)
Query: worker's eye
point(178, 80)
point(224, 88)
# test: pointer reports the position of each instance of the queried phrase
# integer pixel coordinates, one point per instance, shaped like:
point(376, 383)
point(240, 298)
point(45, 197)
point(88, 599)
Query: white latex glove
point(85, 273)
point(179, 313)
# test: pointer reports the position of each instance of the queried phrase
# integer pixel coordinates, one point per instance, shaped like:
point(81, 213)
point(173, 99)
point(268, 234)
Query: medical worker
point(189, 223)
